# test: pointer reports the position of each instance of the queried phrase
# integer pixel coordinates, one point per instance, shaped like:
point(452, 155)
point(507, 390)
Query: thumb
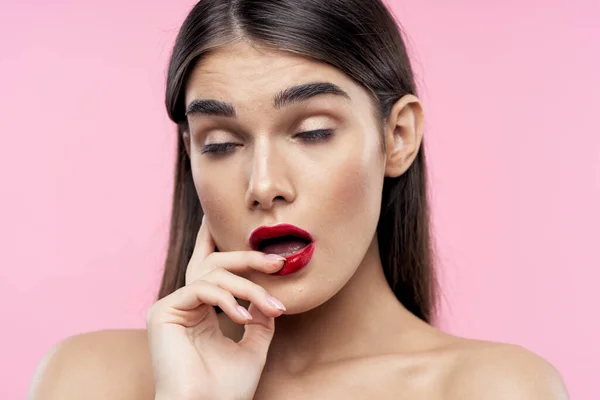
point(258, 333)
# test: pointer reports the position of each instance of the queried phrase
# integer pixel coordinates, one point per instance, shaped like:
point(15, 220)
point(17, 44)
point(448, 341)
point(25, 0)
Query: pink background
point(511, 91)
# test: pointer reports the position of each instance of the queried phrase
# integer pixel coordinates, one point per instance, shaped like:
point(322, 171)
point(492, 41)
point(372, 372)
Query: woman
point(300, 259)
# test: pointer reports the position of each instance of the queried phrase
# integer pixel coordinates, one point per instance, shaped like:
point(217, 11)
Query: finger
point(203, 247)
point(237, 262)
point(242, 288)
point(205, 244)
point(178, 307)
point(258, 333)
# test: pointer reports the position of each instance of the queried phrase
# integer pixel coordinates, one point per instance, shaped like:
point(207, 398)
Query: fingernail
point(276, 303)
point(243, 312)
point(274, 257)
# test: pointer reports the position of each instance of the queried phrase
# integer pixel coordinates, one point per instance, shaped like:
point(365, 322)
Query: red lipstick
point(293, 262)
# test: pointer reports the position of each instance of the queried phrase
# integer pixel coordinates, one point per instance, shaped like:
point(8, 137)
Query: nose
point(268, 181)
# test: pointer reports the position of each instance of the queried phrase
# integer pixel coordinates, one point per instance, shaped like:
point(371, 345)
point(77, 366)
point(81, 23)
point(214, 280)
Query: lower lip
point(295, 262)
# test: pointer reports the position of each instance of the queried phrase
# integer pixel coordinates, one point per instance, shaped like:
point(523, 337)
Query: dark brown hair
point(361, 39)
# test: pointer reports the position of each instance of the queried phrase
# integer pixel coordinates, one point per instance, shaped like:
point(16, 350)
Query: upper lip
point(267, 232)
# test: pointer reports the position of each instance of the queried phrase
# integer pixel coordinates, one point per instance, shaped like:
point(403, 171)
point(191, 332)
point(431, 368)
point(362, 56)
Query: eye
point(318, 135)
point(219, 148)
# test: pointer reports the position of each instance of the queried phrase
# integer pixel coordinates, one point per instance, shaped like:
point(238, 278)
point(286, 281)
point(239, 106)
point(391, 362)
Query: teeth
point(290, 253)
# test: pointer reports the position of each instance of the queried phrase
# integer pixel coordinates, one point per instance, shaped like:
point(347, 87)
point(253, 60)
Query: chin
point(303, 293)
point(302, 305)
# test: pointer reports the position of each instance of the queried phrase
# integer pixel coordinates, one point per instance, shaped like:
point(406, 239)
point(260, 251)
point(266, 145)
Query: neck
point(363, 319)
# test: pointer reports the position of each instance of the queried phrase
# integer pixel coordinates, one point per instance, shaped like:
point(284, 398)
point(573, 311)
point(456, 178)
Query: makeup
point(289, 241)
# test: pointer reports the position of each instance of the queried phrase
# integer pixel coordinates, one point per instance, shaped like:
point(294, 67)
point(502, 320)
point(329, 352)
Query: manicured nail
point(276, 303)
point(243, 312)
point(274, 257)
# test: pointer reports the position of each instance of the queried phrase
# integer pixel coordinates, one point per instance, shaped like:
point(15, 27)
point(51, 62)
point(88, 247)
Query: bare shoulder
point(111, 364)
point(498, 371)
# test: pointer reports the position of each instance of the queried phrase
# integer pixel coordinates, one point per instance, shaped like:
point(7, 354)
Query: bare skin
point(116, 365)
point(344, 334)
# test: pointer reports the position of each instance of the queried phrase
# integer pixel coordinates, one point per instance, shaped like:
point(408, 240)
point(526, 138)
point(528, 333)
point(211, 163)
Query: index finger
point(205, 244)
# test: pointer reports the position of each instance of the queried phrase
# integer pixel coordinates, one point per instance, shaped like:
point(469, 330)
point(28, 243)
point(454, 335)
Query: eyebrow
point(291, 95)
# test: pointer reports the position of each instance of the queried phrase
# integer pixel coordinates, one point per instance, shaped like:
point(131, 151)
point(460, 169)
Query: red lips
point(293, 262)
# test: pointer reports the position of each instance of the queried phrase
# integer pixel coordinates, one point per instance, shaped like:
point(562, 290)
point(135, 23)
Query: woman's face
point(327, 183)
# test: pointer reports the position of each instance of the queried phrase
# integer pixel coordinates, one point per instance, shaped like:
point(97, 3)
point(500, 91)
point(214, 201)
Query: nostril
point(258, 204)
point(278, 199)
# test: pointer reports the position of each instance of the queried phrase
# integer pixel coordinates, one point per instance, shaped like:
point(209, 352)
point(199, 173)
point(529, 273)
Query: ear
point(403, 135)
point(186, 141)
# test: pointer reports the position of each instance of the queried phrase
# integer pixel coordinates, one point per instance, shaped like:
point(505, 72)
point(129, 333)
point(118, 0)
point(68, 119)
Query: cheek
point(355, 187)
point(215, 197)
point(355, 197)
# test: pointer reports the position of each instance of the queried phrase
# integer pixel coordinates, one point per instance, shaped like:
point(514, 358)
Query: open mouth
point(283, 245)
point(289, 241)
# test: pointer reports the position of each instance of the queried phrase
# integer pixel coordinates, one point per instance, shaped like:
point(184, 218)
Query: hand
point(191, 358)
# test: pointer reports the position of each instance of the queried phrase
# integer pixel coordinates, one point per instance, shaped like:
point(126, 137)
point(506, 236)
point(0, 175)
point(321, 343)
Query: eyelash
point(318, 135)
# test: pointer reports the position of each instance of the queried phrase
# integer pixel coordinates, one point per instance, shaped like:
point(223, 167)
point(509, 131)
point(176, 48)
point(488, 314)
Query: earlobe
point(403, 135)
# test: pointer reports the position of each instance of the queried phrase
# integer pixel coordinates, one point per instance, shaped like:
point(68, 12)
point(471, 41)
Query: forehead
point(243, 73)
